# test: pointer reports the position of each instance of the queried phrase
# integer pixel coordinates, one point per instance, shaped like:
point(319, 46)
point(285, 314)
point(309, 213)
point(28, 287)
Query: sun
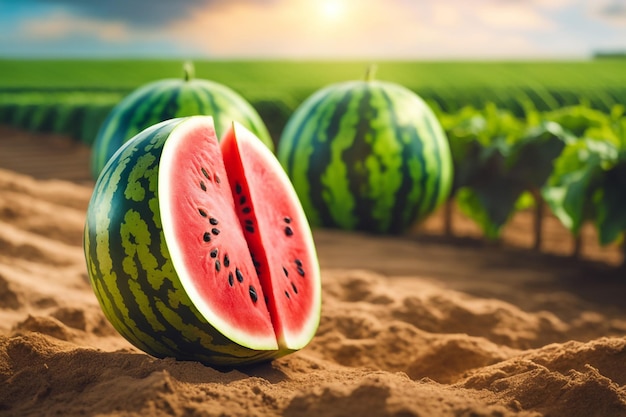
point(332, 9)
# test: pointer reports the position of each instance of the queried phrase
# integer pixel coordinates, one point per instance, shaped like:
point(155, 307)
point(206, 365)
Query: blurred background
point(305, 29)
point(491, 70)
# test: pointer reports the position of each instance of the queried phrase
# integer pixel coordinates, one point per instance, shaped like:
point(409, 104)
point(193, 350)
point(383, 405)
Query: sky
point(312, 29)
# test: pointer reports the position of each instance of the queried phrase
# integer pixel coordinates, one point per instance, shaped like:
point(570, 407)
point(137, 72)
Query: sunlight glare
point(333, 9)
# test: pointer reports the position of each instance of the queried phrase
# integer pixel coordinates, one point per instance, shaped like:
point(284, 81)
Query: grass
point(262, 78)
point(32, 91)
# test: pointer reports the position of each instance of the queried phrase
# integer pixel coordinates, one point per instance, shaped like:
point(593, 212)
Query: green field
point(453, 84)
point(32, 92)
point(521, 133)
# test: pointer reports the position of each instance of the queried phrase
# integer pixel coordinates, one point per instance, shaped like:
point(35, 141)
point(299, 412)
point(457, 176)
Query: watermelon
point(366, 155)
point(171, 98)
point(201, 251)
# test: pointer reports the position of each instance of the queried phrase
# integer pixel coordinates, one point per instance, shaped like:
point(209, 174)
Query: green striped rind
point(168, 99)
point(366, 155)
point(130, 268)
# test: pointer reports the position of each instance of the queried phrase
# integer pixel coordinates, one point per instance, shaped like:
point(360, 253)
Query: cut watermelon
point(278, 235)
point(202, 252)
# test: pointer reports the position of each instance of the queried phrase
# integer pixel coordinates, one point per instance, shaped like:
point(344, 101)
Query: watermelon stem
point(370, 71)
point(188, 70)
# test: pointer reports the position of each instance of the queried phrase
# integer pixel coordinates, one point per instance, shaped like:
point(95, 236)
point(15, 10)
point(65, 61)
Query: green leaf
point(463, 131)
point(577, 176)
point(531, 160)
point(569, 198)
point(501, 162)
point(610, 203)
point(505, 171)
point(577, 119)
point(490, 214)
point(490, 197)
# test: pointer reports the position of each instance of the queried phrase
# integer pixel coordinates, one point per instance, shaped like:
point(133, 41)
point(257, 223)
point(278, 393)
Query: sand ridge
point(410, 327)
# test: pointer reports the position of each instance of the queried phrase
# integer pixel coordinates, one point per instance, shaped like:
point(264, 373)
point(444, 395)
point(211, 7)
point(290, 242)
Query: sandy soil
point(412, 326)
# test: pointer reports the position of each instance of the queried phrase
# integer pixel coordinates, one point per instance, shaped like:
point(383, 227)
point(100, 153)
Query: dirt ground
point(419, 325)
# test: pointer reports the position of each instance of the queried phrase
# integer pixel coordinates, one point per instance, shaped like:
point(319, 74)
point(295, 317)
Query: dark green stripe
point(195, 96)
point(117, 253)
point(356, 155)
point(404, 207)
point(322, 149)
point(120, 123)
point(430, 204)
point(210, 106)
point(157, 105)
point(306, 115)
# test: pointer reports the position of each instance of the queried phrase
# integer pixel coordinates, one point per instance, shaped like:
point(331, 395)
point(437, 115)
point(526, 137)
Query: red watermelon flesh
point(278, 235)
point(204, 223)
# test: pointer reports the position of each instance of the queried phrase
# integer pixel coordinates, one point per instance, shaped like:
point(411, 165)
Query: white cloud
point(365, 29)
point(63, 25)
point(446, 15)
point(293, 27)
point(612, 11)
point(560, 4)
point(378, 29)
point(513, 16)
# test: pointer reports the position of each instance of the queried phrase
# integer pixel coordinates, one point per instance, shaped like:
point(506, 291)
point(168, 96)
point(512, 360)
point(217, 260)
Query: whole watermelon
point(366, 155)
point(171, 98)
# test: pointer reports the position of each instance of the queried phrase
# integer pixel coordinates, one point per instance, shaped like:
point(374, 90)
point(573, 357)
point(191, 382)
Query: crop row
point(518, 99)
point(571, 158)
point(79, 113)
point(300, 78)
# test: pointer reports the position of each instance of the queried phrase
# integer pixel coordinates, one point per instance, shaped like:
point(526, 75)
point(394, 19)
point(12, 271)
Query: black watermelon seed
point(203, 185)
point(295, 290)
point(267, 301)
point(242, 200)
point(231, 279)
point(285, 271)
point(250, 229)
point(246, 210)
point(214, 253)
point(206, 237)
point(218, 265)
point(298, 262)
point(217, 179)
point(226, 261)
point(248, 221)
point(202, 212)
point(215, 231)
point(256, 263)
point(253, 295)
point(213, 221)
point(300, 271)
point(206, 174)
point(238, 188)
point(239, 275)
point(288, 231)
point(287, 294)
point(287, 220)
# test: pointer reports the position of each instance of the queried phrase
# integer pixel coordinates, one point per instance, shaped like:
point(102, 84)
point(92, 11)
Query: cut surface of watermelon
point(226, 212)
point(278, 236)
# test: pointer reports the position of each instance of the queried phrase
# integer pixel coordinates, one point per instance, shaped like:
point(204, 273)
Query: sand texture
point(410, 327)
